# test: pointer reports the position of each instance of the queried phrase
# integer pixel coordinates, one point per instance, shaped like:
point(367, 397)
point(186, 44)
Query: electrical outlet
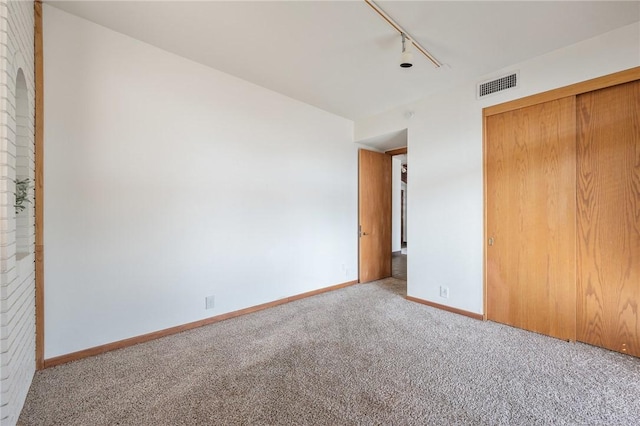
point(444, 292)
point(209, 302)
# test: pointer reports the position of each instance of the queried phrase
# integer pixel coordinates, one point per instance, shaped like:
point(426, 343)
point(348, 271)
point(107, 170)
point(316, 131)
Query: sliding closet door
point(609, 218)
point(530, 201)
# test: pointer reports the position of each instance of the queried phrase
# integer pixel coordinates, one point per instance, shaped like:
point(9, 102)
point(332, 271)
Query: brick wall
point(17, 235)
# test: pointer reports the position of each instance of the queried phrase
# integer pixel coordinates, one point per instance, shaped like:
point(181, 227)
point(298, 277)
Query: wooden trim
point(74, 356)
point(397, 151)
point(621, 77)
point(484, 216)
point(39, 184)
point(446, 308)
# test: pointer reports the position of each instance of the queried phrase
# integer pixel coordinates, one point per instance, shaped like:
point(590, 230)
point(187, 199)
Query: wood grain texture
point(485, 232)
point(397, 151)
point(39, 184)
point(621, 77)
point(374, 215)
point(97, 350)
point(530, 215)
point(446, 308)
point(608, 218)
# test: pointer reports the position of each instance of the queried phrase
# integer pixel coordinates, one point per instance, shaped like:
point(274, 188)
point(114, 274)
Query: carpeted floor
point(360, 355)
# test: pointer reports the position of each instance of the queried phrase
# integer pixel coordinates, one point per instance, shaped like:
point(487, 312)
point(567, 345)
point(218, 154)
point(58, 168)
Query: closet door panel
point(608, 219)
point(530, 178)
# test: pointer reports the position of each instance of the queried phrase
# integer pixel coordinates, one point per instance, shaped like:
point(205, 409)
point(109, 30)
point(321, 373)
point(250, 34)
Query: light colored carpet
point(360, 355)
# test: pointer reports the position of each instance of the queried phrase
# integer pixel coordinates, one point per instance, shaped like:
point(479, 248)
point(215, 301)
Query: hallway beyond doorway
point(399, 266)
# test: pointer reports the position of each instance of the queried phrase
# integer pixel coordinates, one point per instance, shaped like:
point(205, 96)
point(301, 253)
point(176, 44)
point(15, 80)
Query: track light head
point(406, 59)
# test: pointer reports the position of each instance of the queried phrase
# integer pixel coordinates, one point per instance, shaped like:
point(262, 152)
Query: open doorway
point(382, 210)
point(399, 197)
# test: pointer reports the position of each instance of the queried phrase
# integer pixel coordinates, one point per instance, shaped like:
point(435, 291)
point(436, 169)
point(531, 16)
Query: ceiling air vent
point(497, 85)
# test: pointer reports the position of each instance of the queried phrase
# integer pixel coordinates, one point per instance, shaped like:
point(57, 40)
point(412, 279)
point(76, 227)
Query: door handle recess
point(491, 240)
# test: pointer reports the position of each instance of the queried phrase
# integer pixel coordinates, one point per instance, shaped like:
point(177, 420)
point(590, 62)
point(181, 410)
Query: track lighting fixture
point(406, 60)
point(405, 36)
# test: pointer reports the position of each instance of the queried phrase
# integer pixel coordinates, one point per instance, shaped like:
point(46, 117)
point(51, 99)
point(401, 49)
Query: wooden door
point(530, 218)
point(608, 219)
point(374, 215)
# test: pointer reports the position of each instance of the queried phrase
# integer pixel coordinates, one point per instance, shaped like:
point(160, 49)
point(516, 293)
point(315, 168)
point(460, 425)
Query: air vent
point(497, 85)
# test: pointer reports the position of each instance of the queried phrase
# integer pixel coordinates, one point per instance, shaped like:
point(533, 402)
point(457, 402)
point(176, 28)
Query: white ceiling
point(342, 57)
point(387, 141)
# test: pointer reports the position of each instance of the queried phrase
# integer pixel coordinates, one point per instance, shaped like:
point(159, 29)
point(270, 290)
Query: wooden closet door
point(609, 218)
point(530, 201)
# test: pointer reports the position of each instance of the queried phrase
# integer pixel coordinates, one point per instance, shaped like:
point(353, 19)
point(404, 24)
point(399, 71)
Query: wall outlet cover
point(444, 292)
point(209, 302)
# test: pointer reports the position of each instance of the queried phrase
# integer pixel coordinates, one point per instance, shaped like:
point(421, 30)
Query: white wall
point(445, 217)
point(403, 187)
point(396, 204)
point(17, 276)
point(168, 181)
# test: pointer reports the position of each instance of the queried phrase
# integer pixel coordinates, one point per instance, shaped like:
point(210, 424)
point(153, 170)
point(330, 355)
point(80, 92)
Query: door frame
point(400, 151)
point(621, 77)
point(39, 184)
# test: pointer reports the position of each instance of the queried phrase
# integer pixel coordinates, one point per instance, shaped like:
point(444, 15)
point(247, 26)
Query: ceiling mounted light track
point(404, 34)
